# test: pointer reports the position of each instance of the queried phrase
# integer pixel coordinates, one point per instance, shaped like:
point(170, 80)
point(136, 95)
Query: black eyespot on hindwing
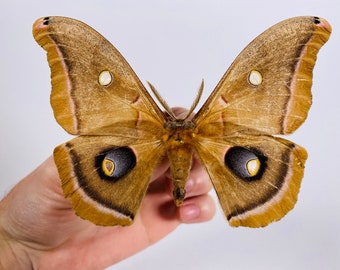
point(248, 164)
point(114, 163)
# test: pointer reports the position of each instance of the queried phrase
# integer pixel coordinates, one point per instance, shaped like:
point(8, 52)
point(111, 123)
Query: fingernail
point(190, 212)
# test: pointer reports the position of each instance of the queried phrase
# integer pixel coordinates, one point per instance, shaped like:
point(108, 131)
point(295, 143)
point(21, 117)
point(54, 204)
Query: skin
point(39, 230)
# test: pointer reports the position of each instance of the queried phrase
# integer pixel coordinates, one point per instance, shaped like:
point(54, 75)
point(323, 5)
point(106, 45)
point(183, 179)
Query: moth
point(123, 133)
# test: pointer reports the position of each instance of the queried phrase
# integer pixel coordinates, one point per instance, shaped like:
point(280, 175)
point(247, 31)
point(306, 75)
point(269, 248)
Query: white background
point(174, 44)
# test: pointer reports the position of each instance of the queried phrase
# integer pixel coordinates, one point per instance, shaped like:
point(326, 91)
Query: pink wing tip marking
point(41, 23)
point(320, 22)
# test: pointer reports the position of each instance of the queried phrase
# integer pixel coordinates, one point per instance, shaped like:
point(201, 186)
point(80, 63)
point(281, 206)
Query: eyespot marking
point(255, 78)
point(114, 163)
point(105, 78)
point(247, 164)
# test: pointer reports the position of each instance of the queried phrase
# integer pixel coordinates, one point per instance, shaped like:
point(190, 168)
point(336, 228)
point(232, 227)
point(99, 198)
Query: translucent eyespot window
point(105, 78)
point(255, 78)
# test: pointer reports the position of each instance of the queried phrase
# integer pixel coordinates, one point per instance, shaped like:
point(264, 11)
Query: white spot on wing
point(105, 78)
point(255, 78)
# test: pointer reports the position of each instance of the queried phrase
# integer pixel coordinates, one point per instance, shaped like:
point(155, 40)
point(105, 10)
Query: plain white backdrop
point(174, 44)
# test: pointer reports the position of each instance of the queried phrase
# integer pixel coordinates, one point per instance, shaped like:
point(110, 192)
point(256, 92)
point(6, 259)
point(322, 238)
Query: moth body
point(178, 142)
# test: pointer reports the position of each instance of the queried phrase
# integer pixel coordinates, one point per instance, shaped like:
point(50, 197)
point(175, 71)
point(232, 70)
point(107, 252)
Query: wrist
point(12, 255)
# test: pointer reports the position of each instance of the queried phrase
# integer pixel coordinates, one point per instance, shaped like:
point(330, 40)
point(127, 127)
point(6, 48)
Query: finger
point(197, 209)
point(159, 215)
point(198, 182)
point(161, 169)
point(180, 113)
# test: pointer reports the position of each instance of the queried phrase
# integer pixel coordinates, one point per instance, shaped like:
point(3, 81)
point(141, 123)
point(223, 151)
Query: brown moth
point(124, 134)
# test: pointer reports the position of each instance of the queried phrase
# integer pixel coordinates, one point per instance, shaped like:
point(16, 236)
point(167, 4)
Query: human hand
point(38, 227)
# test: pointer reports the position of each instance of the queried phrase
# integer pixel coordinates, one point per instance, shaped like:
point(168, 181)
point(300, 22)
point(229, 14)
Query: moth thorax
point(178, 132)
point(179, 124)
